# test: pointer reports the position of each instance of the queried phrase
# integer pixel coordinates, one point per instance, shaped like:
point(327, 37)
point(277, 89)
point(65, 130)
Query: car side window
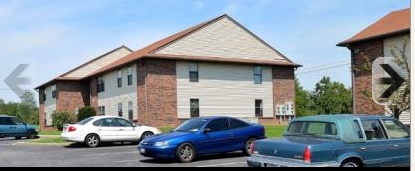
point(394, 129)
point(123, 123)
point(106, 122)
point(17, 121)
point(221, 124)
point(373, 130)
point(99, 122)
point(3, 121)
point(235, 123)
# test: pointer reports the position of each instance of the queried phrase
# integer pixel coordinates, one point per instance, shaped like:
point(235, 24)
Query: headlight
point(161, 144)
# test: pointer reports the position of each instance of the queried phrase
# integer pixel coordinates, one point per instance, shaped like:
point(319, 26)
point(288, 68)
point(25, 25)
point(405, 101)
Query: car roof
point(106, 116)
point(5, 115)
point(337, 117)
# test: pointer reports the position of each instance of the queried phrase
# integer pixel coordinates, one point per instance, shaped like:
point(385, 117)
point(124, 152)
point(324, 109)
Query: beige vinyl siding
point(99, 63)
point(223, 89)
point(396, 43)
point(225, 39)
point(114, 94)
point(50, 105)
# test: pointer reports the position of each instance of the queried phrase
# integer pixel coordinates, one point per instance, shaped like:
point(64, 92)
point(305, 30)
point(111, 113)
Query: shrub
point(61, 118)
point(86, 112)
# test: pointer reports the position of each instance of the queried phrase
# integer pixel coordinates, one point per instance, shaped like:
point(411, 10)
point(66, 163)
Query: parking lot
point(22, 154)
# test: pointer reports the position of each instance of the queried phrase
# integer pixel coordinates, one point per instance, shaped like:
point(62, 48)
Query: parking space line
point(104, 154)
point(126, 161)
point(99, 148)
point(224, 164)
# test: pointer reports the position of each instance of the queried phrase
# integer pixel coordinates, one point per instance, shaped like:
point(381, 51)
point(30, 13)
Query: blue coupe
point(204, 135)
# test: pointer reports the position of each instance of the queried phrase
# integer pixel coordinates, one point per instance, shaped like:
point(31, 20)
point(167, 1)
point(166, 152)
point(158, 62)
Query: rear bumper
point(269, 161)
point(72, 137)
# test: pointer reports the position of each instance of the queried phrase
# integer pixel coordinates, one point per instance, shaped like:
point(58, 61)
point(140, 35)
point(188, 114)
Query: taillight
point(71, 129)
point(307, 155)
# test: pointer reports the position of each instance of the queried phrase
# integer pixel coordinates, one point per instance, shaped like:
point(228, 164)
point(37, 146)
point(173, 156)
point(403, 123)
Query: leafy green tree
point(332, 97)
point(86, 112)
point(60, 118)
point(303, 101)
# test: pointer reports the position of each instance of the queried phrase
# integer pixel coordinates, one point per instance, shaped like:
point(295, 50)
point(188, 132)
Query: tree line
point(27, 109)
point(328, 97)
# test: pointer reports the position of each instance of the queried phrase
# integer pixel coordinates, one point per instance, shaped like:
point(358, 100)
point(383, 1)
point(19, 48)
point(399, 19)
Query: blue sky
point(56, 36)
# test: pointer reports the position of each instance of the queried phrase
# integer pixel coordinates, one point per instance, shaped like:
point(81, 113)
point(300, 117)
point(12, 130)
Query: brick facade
point(283, 91)
point(72, 95)
point(157, 92)
point(362, 53)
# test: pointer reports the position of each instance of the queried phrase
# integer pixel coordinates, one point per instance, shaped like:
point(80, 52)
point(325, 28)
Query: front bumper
point(168, 152)
point(270, 161)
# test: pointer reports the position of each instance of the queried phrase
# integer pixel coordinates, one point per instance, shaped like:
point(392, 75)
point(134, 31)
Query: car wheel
point(248, 146)
point(185, 152)
point(30, 135)
point(146, 134)
point(350, 163)
point(92, 140)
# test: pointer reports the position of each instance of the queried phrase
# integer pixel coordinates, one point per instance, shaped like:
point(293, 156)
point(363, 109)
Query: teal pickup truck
point(336, 140)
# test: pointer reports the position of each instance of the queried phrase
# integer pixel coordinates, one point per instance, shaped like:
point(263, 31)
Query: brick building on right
point(376, 41)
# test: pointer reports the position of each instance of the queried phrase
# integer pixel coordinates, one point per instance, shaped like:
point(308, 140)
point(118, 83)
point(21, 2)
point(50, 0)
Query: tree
point(399, 101)
point(86, 112)
point(303, 101)
point(332, 97)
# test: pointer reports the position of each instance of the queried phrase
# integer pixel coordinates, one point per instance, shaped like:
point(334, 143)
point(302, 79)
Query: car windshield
point(192, 125)
point(85, 121)
point(311, 128)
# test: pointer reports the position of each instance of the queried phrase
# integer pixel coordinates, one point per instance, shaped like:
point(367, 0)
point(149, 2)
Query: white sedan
point(94, 130)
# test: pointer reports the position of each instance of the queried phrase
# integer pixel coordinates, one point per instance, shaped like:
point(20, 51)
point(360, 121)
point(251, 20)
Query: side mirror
point(134, 125)
point(206, 130)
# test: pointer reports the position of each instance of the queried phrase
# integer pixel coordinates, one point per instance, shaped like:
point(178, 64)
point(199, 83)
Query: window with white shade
point(193, 72)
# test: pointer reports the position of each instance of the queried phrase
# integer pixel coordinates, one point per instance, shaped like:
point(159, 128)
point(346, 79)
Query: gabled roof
point(394, 23)
point(65, 77)
point(148, 51)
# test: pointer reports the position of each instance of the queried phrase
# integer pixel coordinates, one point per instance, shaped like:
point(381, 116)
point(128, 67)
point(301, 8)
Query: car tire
point(92, 140)
point(350, 163)
point(185, 152)
point(146, 134)
point(30, 135)
point(248, 145)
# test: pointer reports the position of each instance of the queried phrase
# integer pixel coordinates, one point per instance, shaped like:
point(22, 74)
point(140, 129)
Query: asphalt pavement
point(20, 153)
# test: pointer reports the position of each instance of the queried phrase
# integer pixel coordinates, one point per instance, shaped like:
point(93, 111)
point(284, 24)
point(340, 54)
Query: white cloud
point(198, 5)
point(231, 8)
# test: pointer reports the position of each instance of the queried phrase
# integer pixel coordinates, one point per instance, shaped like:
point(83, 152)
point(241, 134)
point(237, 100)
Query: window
point(107, 122)
point(101, 110)
point(16, 121)
point(101, 84)
point(119, 78)
point(193, 72)
point(258, 108)
point(194, 108)
point(120, 109)
point(130, 76)
point(85, 121)
point(123, 122)
point(258, 75)
point(221, 124)
point(54, 92)
point(236, 123)
point(44, 96)
point(373, 130)
point(130, 110)
point(312, 128)
point(395, 129)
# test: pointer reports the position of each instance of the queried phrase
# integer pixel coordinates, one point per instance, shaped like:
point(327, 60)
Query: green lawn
point(45, 139)
point(274, 131)
point(50, 132)
point(165, 129)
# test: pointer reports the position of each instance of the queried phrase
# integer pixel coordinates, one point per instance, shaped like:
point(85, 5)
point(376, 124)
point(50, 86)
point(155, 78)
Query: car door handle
point(99, 129)
point(363, 148)
point(396, 145)
point(121, 129)
point(230, 134)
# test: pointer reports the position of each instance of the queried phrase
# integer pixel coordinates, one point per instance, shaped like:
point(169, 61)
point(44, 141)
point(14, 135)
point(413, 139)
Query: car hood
point(166, 136)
